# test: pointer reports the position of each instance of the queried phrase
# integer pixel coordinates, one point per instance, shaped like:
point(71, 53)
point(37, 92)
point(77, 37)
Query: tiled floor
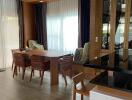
point(17, 89)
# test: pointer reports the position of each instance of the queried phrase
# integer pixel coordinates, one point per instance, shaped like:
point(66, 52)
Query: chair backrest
point(20, 59)
point(13, 51)
point(38, 62)
point(68, 58)
point(66, 62)
point(79, 78)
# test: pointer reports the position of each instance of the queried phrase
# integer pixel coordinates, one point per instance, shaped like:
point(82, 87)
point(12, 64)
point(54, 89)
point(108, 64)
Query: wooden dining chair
point(13, 63)
point(21, 60)
point(39, 63)
point(81, 88)
point(65, 66)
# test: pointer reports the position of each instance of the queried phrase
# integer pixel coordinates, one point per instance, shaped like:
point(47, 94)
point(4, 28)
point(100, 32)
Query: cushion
point(38, 46)
point(34, 45)
point(78, 55)
point(31, 43)
point(85, 54)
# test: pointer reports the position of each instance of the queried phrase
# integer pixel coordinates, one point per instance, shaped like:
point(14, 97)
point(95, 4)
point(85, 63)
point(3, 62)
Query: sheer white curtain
point(62, 25)
point(9, 33)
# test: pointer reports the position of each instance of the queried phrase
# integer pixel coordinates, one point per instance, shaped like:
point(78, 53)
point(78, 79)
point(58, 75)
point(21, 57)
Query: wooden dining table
point(53, 56)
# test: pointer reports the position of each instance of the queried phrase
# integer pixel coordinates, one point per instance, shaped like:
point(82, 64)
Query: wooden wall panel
point(96, 7)
point(127, 23)
point(113, 4)
point(29, 22)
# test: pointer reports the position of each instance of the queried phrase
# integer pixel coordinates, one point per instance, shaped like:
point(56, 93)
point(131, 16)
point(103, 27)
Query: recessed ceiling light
point(41, 1)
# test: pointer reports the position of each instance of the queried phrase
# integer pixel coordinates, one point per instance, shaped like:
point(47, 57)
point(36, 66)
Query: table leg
point(110, 78)
point(54, 71)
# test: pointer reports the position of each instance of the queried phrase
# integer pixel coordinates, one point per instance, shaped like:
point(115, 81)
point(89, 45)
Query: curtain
point(62, 25)
point(84, 22)
point(40, 23)
point(79, 24)
point(19, 6)
point(9, 35)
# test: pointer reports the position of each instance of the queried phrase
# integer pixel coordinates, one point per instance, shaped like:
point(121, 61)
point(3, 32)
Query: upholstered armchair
point(34, 45)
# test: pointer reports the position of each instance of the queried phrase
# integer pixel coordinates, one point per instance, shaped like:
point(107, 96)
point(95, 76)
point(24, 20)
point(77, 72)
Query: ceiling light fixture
point(41, 1)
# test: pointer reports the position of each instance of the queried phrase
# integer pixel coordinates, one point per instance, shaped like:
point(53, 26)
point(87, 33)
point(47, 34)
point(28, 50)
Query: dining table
point(53, 56)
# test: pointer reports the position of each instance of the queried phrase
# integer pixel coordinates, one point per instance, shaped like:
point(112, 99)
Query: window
point(9, 31)
point(62, 25)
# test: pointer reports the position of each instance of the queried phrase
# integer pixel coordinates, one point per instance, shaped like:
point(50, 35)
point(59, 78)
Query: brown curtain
point(84, 21)
point(21, 23)
point(40, 23)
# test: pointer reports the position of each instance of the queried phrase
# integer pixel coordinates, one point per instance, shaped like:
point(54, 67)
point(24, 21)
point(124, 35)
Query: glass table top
point(120, 60)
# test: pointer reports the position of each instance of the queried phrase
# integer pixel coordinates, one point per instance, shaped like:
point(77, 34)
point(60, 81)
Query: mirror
point(106, 24)
point(120, 24)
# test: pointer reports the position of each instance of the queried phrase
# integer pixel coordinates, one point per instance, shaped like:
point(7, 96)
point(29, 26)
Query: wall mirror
point(106, 24)
point(119, 24)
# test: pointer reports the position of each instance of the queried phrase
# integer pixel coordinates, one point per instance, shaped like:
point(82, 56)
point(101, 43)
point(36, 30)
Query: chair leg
point(31, 74)
point(40, 73)
point(74, 95)
point(15, 68)
point(42, 77)
point(81, 97)
point(19, 68)
point(12, 65)
point(64, 76)
point(23, 73)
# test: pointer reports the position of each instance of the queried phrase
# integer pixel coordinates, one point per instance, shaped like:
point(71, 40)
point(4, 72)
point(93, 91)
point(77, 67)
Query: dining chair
point(65, 66)
point(82, 88)
point(21, 60)
point(13, 63)
point(41, 64)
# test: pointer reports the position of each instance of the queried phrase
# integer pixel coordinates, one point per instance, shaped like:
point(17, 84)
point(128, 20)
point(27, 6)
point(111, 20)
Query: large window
point(9, 33)
point(62, 25)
